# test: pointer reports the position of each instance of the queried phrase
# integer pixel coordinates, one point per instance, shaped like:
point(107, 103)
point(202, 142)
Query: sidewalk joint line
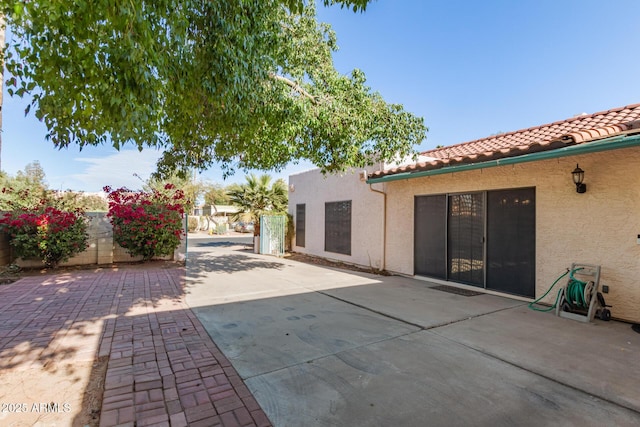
point(422, 327)
point(311, 361)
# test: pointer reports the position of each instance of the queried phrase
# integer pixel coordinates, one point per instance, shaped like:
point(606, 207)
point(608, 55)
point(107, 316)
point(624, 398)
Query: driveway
point(325, 347)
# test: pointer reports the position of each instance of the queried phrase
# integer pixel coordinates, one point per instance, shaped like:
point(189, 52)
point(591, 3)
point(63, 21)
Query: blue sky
point(471, 69)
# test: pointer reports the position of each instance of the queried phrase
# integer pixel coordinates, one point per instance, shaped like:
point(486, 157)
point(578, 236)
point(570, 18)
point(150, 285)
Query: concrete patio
point(298, 345)
point(325, 347)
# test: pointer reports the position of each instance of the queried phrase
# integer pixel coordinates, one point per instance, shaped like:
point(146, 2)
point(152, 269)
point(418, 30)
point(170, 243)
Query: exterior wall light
point(578, 177)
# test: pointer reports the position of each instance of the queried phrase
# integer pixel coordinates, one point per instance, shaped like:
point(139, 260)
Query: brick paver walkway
point(163, 368)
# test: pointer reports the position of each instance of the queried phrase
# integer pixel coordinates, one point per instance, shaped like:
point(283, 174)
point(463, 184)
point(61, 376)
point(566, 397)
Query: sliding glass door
point(484, 239)
point(430, 240)
point(511, 227)
point(465, 238)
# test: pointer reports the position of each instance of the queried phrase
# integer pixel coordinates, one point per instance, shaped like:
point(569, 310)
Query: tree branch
point(294, 86)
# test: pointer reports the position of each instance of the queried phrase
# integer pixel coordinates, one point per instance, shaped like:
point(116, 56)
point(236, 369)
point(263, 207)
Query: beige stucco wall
point(367, 214)
point(598, 227)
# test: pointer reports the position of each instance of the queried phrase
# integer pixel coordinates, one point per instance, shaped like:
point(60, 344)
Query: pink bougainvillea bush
point(147, 224)
point(45, 232)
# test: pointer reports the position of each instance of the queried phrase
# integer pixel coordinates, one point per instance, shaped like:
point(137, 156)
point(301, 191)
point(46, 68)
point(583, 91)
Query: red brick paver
point(163, 369)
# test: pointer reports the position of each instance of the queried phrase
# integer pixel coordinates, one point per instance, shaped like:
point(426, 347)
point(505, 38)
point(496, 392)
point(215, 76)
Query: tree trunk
point(256, 244)
point(2, 32)
point(256, 228)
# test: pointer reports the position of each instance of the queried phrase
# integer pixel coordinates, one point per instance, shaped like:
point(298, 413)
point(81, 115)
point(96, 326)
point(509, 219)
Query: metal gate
point(272, 234)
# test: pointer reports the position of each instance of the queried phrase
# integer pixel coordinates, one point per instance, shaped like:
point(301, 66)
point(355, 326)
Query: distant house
point(212, 217)
point(222, 211)
point(500, 213)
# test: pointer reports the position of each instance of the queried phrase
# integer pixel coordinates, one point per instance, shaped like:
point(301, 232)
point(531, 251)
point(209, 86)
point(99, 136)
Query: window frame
point(301, 223)
point(337, 227)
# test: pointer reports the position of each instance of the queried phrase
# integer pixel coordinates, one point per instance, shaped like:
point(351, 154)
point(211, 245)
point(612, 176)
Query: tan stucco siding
point(597, 227)
point(367, 213)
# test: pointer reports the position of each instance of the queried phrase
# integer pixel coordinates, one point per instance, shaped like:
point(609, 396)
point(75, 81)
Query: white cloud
point(116, 170)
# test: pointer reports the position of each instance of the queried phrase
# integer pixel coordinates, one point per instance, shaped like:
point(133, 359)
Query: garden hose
point(577, 292)
point(575, 285)
point(532, 305)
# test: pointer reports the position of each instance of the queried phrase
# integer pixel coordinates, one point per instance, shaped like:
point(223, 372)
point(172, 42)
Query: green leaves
point(296, 6)
point(246, 83)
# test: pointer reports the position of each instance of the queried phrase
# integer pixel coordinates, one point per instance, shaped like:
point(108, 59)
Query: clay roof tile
point(575, 130)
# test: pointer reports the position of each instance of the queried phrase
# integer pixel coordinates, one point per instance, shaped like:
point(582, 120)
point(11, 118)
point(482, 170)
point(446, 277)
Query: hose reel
point(580, 298)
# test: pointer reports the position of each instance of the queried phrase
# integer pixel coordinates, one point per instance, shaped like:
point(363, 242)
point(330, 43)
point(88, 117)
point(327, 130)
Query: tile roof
point(576, 130)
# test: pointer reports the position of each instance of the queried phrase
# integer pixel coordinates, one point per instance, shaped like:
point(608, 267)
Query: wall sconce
point(578, 177)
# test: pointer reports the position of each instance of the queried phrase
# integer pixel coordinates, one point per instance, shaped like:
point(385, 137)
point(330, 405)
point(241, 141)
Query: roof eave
point(611, 143)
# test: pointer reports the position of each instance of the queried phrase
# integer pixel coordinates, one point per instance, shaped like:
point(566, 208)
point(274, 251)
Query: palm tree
point(258, 196)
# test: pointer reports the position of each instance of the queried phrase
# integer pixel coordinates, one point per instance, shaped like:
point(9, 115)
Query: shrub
point(221, 228)
point(192, 224)
point(147, 224)
point(290, 232)
point(46, 233)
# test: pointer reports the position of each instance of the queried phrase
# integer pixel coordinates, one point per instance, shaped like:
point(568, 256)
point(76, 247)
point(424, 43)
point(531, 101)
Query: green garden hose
point(576, 292)
point(574, 287)
point(532, 305)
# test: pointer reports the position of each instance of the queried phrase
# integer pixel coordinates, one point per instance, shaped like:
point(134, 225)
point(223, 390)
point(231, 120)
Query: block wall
point(102, 248)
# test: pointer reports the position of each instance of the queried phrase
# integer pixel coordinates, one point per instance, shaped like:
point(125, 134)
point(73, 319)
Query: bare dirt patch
point(311, 259)
point(52, 396)
point(89, 414)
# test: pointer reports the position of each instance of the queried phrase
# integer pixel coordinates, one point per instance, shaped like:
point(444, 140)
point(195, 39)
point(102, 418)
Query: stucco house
point(501, 214)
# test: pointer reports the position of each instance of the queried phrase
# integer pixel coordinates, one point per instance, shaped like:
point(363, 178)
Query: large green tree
point(29, 187)
point(248, 83)
point(215, 194)
point(25, 189)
